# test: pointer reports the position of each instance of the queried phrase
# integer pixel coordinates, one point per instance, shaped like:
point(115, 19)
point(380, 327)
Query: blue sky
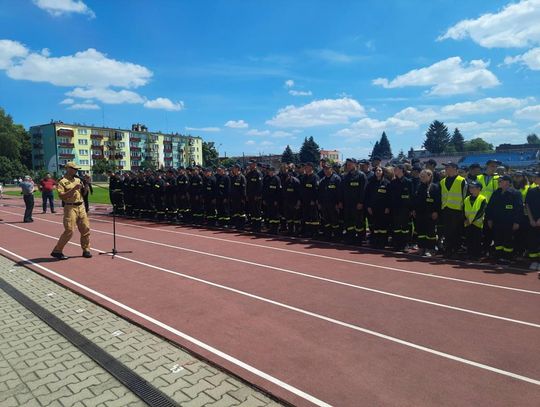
point(254, 76)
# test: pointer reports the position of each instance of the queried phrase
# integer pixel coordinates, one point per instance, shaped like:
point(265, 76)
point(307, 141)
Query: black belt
point(74, 203)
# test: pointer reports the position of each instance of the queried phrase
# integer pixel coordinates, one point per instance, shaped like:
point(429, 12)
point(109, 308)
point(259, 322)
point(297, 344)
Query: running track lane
point(380, 394)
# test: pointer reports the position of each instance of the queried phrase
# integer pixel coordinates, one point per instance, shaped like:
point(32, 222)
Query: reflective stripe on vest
point(490, 187)
point(472, 210)
point(452, 198)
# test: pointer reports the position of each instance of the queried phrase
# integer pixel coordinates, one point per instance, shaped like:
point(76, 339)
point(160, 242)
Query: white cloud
point(318, 113)
point(368, 128)
point(255, 132)
point(516, 25)
point(282, 134)
point(236, 124)
point(207, 129)
point(293, 92)
point(447, 77)
point(250, 143)
point(528, 113)
point(415, 115)
point(164, 103)
point(332, 56)
point(67, 101)
point(530, 58)
point(84, 106)
point(289, 83)
point(88, 68)
point(9, 51)
point(61, 7)
point(483, 106)
point(107, 95)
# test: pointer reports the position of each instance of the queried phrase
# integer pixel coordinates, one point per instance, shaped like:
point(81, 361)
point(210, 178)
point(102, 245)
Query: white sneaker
point(534, 266)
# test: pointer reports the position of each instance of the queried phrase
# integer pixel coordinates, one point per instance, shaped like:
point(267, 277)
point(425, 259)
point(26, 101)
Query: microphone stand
point(113, 251)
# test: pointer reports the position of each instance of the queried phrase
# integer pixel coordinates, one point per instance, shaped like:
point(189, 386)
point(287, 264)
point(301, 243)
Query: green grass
point(100, 195)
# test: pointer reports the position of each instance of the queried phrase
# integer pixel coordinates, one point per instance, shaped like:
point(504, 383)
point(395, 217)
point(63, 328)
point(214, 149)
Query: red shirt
point(47, 185)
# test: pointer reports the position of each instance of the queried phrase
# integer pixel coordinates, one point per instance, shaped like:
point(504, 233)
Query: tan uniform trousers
point(74, 215)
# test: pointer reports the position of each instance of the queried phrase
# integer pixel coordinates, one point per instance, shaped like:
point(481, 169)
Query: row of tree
point(15, 149)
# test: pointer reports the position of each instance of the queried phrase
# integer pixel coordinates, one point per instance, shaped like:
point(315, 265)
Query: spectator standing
point(86, 191)
point(27, 190)
point(47, 187)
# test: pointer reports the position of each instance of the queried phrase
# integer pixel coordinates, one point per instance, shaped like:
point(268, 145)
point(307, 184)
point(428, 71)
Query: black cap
point(351, 160)
point(451, 164)
point(271, 168)
point(475, 184)
point(518, 174)
point(309, 164)
point(431, 161)
point(220, 167)
point(252, 162)
point(400, 166)
point(237, 166)
point(493, 161)
point(363, 161)
point(417, 168)
point(505, 177)
point(189, 168)
point(475, 165)
point(208, 169)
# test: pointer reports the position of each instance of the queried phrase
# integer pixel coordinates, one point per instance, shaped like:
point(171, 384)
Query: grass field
point(100, 195)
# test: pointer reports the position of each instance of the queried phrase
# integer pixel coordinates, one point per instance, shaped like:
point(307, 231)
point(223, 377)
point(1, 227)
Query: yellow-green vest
point(472, 210)
point(489, 187)
point(524, 191)
point(452, 198)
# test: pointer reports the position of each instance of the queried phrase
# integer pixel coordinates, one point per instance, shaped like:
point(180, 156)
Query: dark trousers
point(380, 223)
point(533, 245)
point(329, 218)
point(238, 212)
point(473, 240)
point(453, 227)
point(254, 211)
point(310, 218)
point(48, 196)
point(29, 207)
point(400, 228)
point(503, 239)
point(425, 228)
point(354, 222)
point(86, 203)
point(223, 212)
point(292, 216)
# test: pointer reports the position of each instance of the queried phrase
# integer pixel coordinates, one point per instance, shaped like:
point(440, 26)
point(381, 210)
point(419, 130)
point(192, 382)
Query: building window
point(95, 143)
point(83, 142)
point(83, 152)
point(82, 131)
point(121, 145)
point(84, 162)
point(63, 140)
point(122, 163)
point(65, 151)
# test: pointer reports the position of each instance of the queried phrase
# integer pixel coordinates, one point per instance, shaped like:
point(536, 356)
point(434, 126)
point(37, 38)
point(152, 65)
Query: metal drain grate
point(135, 383)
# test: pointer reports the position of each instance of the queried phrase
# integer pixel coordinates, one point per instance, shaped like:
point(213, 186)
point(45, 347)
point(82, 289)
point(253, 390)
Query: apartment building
point(56, 143)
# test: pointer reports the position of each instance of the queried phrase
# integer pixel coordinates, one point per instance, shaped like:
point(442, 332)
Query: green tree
point(228, 162)
point(14, 140)
point(288, 155)
point(385, 151)
point(10, 169)
point(148, 165)
point(437, 137)
point(310, 151)
point(533, 139)
point(457, 140)
point(478, 144)
point(103, 166)
point(376, 150)
point(401, 155)
point(210, 154)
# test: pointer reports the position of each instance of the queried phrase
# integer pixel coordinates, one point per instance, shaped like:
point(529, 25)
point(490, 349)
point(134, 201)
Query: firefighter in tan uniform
point(69, 190)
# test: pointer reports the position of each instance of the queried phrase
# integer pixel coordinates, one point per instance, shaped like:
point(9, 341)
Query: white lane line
point(327, 280)
point(337, 282)
point(417, 273)
point(322, 256)
point(178, 333)
point(317, 316)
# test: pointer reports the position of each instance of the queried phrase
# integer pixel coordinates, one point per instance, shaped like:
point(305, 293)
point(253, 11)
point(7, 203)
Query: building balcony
point(66, 155)
point(66, 145)
point(64, 133)
point(98, 157)
point(96, 136)
point(135, 149)
point(135, 139)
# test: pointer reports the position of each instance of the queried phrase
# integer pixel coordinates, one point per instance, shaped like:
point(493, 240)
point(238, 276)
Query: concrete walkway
point(39, 367)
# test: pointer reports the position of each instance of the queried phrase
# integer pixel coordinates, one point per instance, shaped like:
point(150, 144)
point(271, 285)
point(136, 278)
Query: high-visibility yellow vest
point(452, 198)
point(524, 191)
point(472, 210)
point(488, 187)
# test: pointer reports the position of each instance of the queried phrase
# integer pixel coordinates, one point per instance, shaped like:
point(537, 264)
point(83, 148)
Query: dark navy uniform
point(427, 202)
point(309, 193)
point(291, 203)
point(272, 196)
point(401, 201)
point(353, 186)
point(210, 195)
point(222, 199)
point(254, 198)
point(182, 197)
point(196, 197)
point(378, 202)
point(329, 190)
point(170, 196)
point(238, 200)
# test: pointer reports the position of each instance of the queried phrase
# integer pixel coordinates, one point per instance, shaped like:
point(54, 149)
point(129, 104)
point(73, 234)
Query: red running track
point(311, 323)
